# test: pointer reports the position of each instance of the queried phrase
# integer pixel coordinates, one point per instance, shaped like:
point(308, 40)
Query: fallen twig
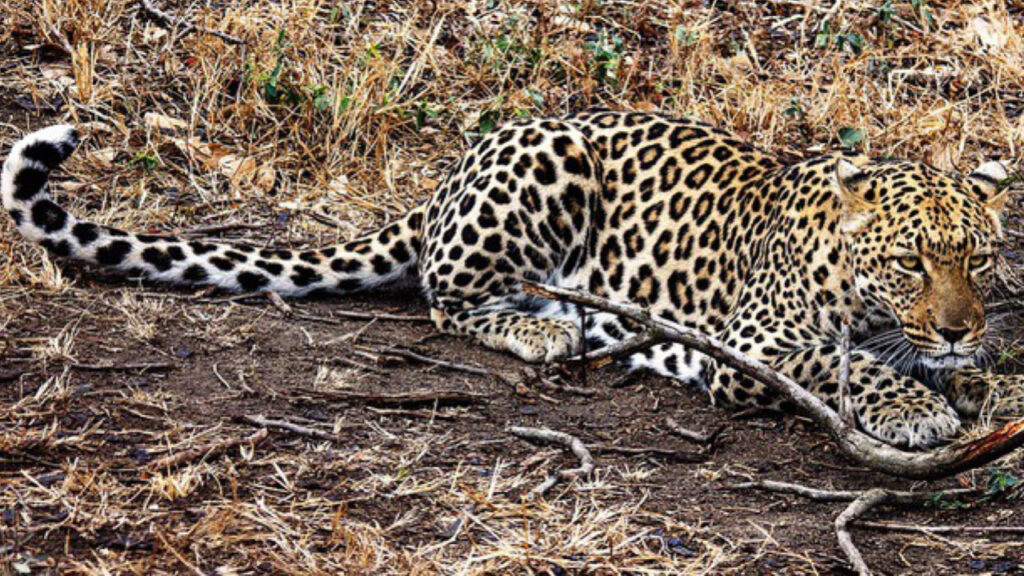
point(259, 420)
point(696, 437)
point(573, 443)
point(897, 527)
point(861, 501)
point(339, 316)
point(667, 453)
point(421, 414)
point(855, 510)
point(127, 367)
point(857, 445)
point(417, 357)
point(439, 397)
point(205, 451)
point(186, 27)
point(819, 495)
point(279, 303)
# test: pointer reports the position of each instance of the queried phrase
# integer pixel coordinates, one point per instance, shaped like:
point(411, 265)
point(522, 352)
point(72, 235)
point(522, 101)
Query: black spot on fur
point(200, 248)
point(347, 266)
point(350, 285)
point(400, 253)
point(272, 267)
point(157, 258)
point(195, 273)
point(28, 182)
point(62, 248)
point(46, 153)
point(304, 276)
point(545, 171)
point(222, 263)
point(85, 232)
point(236, 256)
point(114, 253)
point(381, 265)
point(252, 281)
point(48, 216)
point(175, 253)
point(16, 215)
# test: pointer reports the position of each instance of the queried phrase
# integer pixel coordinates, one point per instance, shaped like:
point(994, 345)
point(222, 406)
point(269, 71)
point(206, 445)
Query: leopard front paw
point(544, 340)
point(915, 422)
point(995, 394)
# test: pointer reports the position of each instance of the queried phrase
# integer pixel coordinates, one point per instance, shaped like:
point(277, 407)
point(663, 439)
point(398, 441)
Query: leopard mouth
point(947, 361)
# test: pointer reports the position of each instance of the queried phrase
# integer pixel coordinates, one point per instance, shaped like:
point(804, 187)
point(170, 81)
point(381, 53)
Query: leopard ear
point(986, 183)
point(853, 189)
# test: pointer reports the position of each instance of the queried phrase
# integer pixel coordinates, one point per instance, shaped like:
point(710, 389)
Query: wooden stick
point(692, 436)
point(897, 527)
point(205, 451)
point(354, 315)
point(668, 453)
point(857, 445)
point(259, 420)
point(440, 397)
point(548, 436)
point(129, 366)
point(819, 495)
point(861, 501)
point(855, 510)
point(410, 355)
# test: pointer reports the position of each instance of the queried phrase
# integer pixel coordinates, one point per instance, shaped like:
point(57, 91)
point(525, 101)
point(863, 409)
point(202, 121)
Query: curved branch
point(874, 454)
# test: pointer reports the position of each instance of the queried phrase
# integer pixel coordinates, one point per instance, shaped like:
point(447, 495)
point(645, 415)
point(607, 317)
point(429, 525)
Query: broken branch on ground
point(860, 447)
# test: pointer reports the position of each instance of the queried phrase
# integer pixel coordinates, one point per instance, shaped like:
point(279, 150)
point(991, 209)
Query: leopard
point(771, 257)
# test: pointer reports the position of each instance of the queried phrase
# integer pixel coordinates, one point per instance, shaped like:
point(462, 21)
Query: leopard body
point(672, 214)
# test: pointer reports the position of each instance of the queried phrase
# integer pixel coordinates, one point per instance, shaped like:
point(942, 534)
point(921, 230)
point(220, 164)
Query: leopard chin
point(947, 362)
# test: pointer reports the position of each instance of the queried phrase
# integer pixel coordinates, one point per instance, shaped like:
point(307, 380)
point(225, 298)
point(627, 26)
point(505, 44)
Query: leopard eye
point(979, 262)
point(910, 264)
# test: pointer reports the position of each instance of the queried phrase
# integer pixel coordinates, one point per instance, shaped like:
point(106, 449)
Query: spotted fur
point(673, 214)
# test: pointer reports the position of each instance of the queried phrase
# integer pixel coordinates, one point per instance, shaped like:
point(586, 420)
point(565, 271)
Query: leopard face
point(923, 246)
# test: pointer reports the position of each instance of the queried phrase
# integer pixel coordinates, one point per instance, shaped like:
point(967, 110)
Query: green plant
point(273, 89)
point(850, 137)
point(923, 11)
point(146, 161)
point(684, 37)
point(886, 11)
point(607, 57)
point(826, 37)
point(794, 109)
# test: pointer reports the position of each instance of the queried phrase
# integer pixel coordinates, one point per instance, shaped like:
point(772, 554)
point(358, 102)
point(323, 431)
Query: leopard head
point(923, 245)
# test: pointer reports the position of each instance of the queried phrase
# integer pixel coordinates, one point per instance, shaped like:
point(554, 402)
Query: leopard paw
point(915, 422)
point(996, 394)
point(544, 340)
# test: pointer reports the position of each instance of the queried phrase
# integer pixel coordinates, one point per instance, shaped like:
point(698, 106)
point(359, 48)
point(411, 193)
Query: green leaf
point(488, 120)
point(536, 96)
point(850, 137)
point(685, 37)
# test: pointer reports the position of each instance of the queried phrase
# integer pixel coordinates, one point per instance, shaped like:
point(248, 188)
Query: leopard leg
point(519, 208)
point(527, 336)
point(889, 406)
point(968, 389)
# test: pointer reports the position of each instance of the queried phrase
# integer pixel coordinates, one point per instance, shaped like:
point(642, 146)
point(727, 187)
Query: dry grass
point(333, 118)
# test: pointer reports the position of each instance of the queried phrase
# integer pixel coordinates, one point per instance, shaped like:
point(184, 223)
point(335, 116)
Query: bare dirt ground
point(100, 379)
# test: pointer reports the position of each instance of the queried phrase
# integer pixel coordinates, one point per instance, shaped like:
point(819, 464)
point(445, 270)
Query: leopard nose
point(953, 335)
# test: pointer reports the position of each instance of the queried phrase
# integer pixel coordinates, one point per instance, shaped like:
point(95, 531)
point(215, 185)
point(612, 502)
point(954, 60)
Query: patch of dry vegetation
point(329, 119)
